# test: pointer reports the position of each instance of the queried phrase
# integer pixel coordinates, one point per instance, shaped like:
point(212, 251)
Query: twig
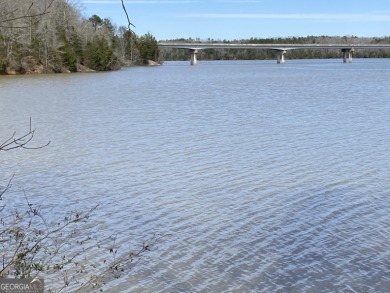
point(8, 186)
point(45, 11)
point(128, 19)
point(21, 142)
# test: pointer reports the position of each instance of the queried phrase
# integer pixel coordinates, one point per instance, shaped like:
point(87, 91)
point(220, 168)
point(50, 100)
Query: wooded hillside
point(53, 36)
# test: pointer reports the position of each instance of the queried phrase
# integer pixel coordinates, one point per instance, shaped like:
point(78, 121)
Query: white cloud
point(296, 16)
point(240, 1)
point(139, 1)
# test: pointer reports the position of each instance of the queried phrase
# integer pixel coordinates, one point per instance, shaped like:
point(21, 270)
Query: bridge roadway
point(280, 49)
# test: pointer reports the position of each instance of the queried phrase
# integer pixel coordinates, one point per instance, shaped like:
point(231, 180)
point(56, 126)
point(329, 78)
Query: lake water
point(264, 177)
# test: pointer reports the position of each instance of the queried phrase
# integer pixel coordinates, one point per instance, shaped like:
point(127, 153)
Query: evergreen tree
point(148, 48)
point(68, 54)
point(98, 55)
point(96, 21)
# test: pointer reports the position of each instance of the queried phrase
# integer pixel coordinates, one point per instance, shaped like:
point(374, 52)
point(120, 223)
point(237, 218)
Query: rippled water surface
point(265, 177)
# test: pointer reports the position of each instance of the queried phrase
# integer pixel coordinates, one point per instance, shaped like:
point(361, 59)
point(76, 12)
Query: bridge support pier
point(280, 56)
point(347, 55)
point(194, 60)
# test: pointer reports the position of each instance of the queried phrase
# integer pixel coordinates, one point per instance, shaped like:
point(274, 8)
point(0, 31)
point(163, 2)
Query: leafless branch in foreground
point(15, 142)
point(8, 186)
point(32, 244)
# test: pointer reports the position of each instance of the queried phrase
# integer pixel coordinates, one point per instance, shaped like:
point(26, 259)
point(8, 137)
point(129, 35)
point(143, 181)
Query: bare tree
point(16, 13)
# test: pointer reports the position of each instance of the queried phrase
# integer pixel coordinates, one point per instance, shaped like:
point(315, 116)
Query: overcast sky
point(240, 19)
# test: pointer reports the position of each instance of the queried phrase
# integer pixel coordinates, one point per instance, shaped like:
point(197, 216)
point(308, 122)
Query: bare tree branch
point(24, 15)
point(8, 186)
point(128, 19)
point(21, 142)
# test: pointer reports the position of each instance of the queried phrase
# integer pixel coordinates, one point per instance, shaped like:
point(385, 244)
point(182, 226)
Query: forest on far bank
point(52, 36)
point(263, 54)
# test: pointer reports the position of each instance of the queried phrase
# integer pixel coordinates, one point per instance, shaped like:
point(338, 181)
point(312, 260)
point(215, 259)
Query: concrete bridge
point(280, 49)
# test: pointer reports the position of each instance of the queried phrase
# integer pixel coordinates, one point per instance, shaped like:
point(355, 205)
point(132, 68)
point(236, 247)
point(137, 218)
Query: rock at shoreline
point(11, 71)
point(153, 63)
point(30, 66)
point(82, 68)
